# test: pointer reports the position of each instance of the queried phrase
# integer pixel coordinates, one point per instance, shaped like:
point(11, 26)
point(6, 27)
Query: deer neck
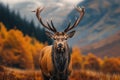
point(60, 58)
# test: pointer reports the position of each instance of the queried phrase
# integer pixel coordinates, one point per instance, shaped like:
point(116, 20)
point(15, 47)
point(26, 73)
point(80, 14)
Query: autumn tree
point(35, 48)
point(76, 58)
point(3, 35)
point(92, 62)
point(18, 50)
point(111, 65)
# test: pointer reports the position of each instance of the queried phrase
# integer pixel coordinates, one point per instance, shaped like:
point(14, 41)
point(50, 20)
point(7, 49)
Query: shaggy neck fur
point(60, 58)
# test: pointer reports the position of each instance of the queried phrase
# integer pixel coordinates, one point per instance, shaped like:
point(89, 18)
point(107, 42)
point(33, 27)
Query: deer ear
point(71, 34)
point(49, 34)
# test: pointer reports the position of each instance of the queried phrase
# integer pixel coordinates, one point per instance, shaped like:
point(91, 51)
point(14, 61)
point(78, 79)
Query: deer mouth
point(60, 49)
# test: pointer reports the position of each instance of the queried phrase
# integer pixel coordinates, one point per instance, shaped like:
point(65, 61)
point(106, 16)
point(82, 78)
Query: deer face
point(60, 39)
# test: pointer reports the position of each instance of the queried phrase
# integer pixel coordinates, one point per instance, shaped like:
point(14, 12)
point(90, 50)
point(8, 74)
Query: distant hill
point(99, 30)
point(101, 20)
point(13, 20)
point(107, 47)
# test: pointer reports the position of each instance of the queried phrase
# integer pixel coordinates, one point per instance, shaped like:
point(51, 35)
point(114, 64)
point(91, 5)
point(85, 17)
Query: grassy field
point(17, 74)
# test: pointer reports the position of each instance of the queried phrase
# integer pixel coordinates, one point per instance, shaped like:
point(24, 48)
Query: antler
point(48, 26)
point(81, 11)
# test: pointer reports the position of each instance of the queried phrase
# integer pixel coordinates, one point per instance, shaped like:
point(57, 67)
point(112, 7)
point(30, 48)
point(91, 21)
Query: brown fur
point(46, 63)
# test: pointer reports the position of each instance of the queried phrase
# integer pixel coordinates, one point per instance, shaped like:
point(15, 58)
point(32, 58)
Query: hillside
point(99, 30)
point(106, 47)
point(100, 21)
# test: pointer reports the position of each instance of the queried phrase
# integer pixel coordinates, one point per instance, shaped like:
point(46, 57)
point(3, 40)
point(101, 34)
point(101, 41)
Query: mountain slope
point(106, 47)
point(100, 21)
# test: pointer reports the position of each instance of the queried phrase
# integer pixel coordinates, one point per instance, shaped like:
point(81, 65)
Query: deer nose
point(59, 45)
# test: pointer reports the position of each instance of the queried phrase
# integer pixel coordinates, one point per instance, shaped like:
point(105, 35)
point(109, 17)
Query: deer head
point(60, 38)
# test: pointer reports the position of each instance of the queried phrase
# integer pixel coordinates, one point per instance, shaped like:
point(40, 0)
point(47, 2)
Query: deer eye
point(65, 38)
point(54, 38)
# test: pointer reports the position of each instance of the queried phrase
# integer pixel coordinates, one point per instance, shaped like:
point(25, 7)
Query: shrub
point(111, 65)
point(92, 62)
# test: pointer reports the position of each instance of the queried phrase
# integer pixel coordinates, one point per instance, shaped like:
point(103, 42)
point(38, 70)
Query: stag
point(55, 60)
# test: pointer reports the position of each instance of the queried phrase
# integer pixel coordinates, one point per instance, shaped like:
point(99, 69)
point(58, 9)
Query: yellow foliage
point(17, 50)
point(76, 58)
point(111, 65)
point(92, 62)
point(3, 31)
point(3, 34)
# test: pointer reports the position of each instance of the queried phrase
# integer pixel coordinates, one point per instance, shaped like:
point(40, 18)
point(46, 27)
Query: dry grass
point(17, 74)
point(92, 75)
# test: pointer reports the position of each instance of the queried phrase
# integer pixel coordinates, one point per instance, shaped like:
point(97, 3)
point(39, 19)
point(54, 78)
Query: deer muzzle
point(60, 48)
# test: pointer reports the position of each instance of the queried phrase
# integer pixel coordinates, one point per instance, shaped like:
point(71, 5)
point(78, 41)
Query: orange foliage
point(85, 62)
point(76, 58)
point(92, 62)
point(17, 50)
point(111, 65)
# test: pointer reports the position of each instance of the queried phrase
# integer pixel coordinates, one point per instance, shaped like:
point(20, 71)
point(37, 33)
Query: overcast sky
point(57, 9)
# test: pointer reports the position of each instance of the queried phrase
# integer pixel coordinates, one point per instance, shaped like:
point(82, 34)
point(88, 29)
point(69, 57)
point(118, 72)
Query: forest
point(13, 19)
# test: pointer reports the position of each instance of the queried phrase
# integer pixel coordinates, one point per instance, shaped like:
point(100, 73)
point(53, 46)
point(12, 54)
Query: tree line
point(14, 20)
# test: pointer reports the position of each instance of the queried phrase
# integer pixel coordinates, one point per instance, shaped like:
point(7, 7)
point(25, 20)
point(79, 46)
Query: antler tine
point(49, 26)
point(53, 26)
point(38, 11)
point(77, 21)
point(67, 27)
point(70, 27)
